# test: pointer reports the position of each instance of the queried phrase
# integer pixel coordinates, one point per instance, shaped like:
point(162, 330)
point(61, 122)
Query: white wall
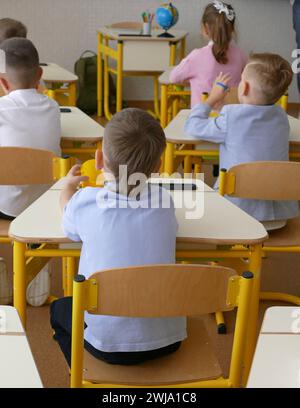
point(62, 29)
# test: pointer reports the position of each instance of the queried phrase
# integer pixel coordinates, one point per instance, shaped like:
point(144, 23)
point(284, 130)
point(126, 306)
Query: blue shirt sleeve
point(201, 126)
point(69, 224)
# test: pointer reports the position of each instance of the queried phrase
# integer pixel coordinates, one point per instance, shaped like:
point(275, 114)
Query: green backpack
point(86, 70)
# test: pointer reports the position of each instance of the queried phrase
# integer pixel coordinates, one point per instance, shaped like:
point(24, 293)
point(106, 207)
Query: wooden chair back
point(21, 166)
point(163, 290)
point(262, 180)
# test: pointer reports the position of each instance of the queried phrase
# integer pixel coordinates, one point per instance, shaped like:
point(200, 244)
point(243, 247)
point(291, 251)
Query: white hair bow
point(222, 8)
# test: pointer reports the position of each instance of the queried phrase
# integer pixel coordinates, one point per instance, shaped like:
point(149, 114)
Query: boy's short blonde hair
point(10, 28)
point(272, 73)
point(135, 139)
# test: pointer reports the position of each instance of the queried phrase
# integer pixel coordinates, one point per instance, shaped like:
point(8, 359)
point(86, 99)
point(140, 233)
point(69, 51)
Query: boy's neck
point(252, 101)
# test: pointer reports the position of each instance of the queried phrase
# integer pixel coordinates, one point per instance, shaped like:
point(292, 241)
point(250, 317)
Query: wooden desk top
point(54, 73)
point(114, 33)
point(17, 368)
point(217, 220)
point(78, 126)
point(175, 132)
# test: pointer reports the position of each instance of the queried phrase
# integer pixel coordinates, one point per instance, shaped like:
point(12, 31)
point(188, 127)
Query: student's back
point(27, 118)
point(203, 65)
point(255, 130)
point(122, 225)
point(115, 236)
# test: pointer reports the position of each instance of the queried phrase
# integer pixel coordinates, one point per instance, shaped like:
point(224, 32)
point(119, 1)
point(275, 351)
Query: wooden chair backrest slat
point(270, 180)
point(163, 290)
point(21, 166)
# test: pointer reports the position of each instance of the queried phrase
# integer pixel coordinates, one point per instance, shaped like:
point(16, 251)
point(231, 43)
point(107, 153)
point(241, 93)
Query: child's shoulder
point(85, 196)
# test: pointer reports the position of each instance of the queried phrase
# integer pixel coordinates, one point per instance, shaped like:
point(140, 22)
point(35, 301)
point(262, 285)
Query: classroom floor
point(280, 272)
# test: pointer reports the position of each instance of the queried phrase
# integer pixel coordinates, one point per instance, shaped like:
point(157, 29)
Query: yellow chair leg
point(221, 326)
point(20, 280)
point(70, 275)
point(254, 267)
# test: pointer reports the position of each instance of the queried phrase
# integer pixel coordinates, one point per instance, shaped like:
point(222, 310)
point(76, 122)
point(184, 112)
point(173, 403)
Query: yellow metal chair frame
point(243, 181)
point(105, 52)
point(66, 96)
point(38, 167)
point(186, 153)
point(175, 290)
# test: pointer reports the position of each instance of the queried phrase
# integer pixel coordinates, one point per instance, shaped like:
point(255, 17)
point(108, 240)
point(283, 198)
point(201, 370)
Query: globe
point(166, 17)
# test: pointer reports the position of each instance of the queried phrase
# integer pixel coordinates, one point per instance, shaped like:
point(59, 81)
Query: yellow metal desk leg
point(70, 275)
point(72, 94)
point(107, 113)
point(182, 48)
point(99, 77)
point(120, 76)
point(164, 106)
point(156, 97)
point(20, 280)
point(254, 267)
point(173, 47)
point(169, 157)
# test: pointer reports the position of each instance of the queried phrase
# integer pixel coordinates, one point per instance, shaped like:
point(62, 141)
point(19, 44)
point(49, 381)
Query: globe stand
point(165, 34)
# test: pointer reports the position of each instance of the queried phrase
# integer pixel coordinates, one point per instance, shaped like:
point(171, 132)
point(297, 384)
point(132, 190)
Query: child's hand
point(74, 177)
point(219, 90)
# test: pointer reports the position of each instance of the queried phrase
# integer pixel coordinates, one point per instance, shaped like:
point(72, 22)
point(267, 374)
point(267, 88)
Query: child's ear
point(4, 85)
point(246, 89)
point(39, 73)
point(99, 159)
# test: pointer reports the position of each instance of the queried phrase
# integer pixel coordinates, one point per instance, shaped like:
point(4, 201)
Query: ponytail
point(221, 31)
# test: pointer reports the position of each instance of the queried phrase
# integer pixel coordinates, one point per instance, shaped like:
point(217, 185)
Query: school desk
point(54, 74)
point(78, 127)
point(276, 362)
point(17, 366)
point(134, 56)
point(221, 223)
point(176, 135)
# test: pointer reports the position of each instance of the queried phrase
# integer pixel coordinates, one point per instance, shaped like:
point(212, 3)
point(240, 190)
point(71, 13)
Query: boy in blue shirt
point(119, 228)
point(255, 130)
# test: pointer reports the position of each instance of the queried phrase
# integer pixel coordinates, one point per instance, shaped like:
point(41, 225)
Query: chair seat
point(286, 236)
point(4, 227)
point(194, 360)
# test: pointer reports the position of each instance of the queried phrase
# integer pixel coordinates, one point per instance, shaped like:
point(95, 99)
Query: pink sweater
point(200, 68)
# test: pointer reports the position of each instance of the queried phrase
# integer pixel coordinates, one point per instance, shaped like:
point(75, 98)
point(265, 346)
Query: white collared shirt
point(27, 119)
